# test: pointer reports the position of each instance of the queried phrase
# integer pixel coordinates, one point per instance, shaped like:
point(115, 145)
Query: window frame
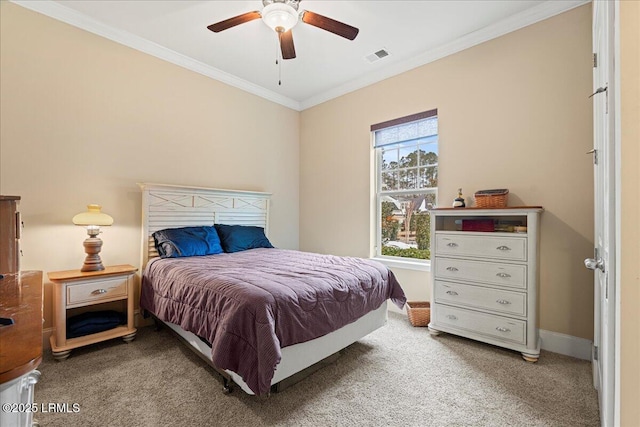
point(398, 261)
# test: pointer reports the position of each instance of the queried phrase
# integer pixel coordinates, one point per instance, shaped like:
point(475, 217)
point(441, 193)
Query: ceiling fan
point(282, 16)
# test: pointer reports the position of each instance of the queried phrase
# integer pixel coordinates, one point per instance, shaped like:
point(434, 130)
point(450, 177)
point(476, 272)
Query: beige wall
point(630, 214)
point(513, 113)
point(83, 119)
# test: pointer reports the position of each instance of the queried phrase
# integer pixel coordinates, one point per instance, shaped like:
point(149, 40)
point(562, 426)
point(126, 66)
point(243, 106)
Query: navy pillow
point(235, 238)
point(187, 241)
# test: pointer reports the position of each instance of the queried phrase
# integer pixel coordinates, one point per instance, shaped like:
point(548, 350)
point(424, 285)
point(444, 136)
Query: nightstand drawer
point(476, 245)
point(96, 290)
point(507, 302)
point(498, 327)
point(492, 273)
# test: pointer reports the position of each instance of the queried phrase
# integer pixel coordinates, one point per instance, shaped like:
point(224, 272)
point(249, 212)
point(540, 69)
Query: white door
point(603, 261)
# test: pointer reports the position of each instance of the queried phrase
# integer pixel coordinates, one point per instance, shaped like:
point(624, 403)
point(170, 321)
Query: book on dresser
point(485, 283)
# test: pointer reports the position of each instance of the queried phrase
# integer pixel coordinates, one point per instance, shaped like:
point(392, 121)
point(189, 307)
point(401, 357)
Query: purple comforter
point(251, 304)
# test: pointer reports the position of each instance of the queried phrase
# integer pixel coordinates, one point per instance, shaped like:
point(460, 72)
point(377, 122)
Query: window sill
point(406, 265)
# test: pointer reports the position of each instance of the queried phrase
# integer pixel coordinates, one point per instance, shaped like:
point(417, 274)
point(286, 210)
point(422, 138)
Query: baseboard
point(392, 307)
point(566, 344)
point(550, 341)
point(46, 333)
point(138, 321)
point(555, 342)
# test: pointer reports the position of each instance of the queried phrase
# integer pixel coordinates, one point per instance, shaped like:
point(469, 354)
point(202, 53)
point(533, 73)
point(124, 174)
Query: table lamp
point(92, 219)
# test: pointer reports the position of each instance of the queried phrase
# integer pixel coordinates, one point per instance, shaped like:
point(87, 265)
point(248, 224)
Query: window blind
point(406, 129)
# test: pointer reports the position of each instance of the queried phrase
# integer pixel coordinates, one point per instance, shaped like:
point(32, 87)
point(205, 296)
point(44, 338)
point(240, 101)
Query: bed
point(259, 315)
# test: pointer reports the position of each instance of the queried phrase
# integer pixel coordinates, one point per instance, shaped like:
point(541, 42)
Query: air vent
point(375, 56)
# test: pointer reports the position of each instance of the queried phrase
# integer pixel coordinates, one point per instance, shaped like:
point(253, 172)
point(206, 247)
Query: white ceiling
point(413, 32)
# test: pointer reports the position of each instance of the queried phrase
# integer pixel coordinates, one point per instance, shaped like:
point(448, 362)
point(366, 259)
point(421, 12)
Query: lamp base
point(92, 262)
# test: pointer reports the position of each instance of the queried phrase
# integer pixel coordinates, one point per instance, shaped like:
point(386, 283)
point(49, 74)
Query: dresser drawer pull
point(503, 301)
point(452, 293)
point(503, 329)
point(451, 317)
point(503, 248)
point(452, 245)
point(503, 275)
point(452, 269)
point(99, 292)
point(33, 378)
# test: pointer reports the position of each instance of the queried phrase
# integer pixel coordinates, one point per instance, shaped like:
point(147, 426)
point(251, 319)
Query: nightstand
point(74, 289)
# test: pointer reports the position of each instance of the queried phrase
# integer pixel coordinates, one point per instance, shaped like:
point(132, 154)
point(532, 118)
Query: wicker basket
point(419, 312)
point(491, 198)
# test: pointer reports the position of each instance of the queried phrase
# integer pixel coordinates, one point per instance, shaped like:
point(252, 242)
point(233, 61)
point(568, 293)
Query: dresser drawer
point(102, 290)
point(490, 325)
point(492, 273)
point(507, 302)
point(479, 245)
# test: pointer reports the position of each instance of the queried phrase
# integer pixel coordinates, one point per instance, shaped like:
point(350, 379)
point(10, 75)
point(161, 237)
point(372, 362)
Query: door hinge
point(595, 352)
point(595, 60)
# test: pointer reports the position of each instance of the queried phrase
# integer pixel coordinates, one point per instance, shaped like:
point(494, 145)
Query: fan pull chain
point(279, 59)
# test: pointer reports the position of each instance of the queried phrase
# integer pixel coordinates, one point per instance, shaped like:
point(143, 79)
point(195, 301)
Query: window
point(406, 152)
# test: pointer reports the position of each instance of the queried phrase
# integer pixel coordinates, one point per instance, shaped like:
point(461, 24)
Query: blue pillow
point(235, 238)
point(187, 241)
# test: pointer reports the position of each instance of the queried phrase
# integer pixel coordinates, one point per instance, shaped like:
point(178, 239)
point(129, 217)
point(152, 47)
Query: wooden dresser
point(20, 344)
point(485, 284)
point(10, 226)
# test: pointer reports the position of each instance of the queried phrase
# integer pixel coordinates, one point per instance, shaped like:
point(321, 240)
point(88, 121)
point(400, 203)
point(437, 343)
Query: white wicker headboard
point(173, 206)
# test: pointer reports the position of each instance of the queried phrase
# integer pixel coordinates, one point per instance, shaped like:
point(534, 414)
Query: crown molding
point(528, 17)
point(535, 14)
point(72, 17)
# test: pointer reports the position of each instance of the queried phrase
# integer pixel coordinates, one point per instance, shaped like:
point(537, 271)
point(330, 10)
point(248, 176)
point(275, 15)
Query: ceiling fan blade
point(236, 20)
point(331, 25)
point(286, 45)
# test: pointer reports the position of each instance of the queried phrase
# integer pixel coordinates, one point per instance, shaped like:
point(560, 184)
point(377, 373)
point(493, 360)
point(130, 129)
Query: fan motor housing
point(293, 3)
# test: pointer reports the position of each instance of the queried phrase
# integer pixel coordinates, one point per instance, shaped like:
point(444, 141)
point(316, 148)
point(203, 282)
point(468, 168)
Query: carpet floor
point(397, 376)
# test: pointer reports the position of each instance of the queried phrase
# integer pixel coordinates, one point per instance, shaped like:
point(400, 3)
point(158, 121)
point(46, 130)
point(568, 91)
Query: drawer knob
point(99, 292)
point(503, 248)
point(452, 317)
point(503, 301)
point(452, 245)
point(33, 378)
point(503, 275)
point(452, 269)
point(503, 329)
point(452, 293)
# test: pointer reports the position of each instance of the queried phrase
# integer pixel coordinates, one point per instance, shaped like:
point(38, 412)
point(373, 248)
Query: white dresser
point(485, 284)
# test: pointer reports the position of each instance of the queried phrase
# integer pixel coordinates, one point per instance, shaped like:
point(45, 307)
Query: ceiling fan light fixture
point(280, 17)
